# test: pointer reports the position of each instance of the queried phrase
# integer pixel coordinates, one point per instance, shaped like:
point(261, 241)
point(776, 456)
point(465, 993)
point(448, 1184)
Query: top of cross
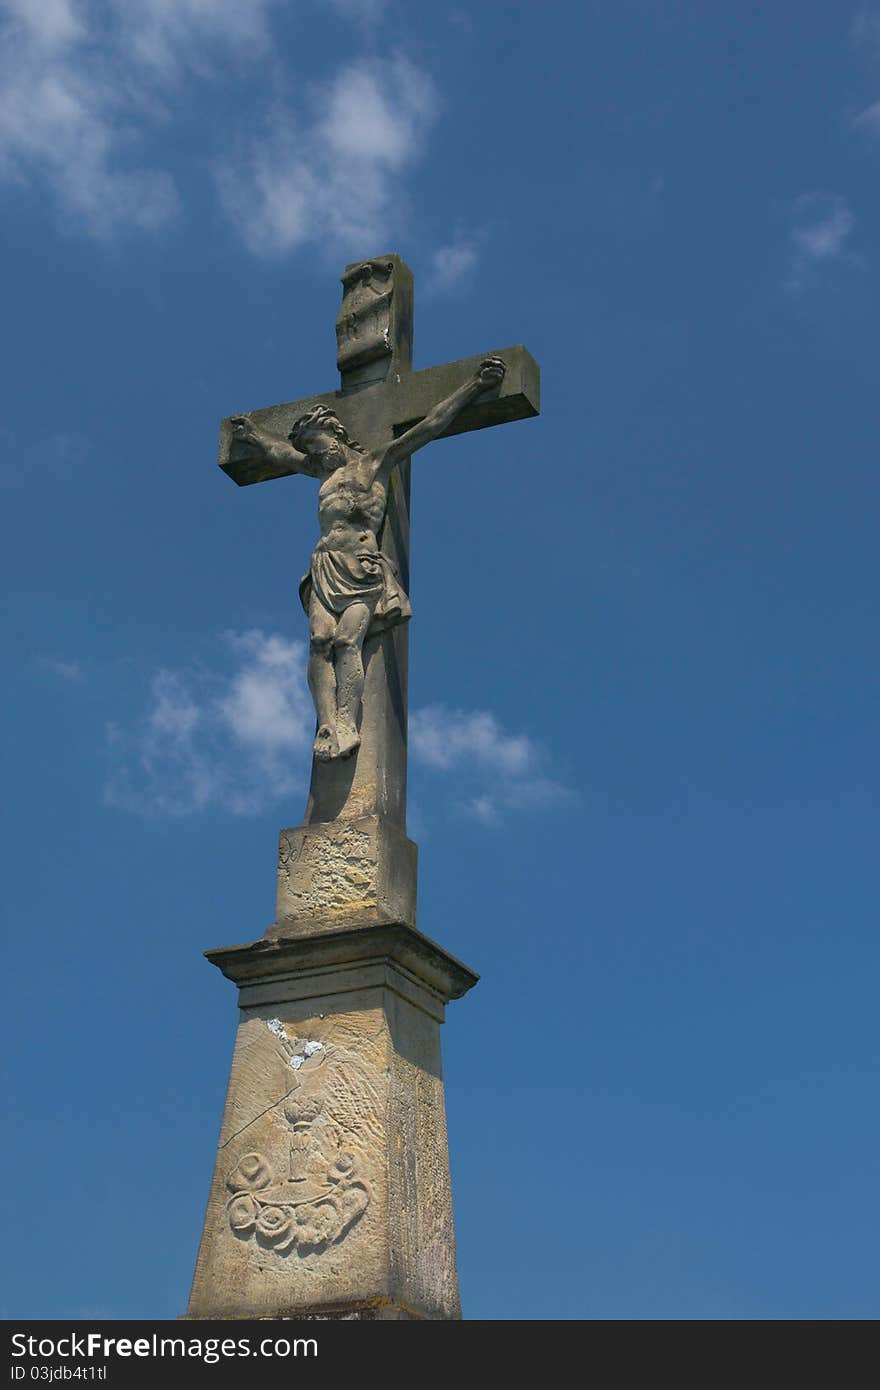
point(379, 392)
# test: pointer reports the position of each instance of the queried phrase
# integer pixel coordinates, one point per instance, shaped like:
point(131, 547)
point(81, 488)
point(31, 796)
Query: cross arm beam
point(376, 413)
point(517, 397)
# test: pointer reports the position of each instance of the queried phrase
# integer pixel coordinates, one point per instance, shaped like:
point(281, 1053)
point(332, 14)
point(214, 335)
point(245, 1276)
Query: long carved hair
point(322, 418)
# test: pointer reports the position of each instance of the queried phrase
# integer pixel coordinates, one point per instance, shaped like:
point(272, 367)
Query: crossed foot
point(333, 743)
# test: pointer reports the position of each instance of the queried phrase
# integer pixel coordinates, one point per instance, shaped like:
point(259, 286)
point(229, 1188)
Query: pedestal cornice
point(391, 954)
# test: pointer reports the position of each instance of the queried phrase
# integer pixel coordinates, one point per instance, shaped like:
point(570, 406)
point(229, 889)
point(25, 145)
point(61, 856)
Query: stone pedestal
point(344, 873)
point(331, 1194)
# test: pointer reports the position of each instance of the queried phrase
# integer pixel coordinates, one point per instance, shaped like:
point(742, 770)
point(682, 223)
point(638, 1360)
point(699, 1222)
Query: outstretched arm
point(491, 373)
point(273, 447)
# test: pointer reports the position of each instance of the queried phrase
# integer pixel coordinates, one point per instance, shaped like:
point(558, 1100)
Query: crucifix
point(338, 1050)
point(358, 441)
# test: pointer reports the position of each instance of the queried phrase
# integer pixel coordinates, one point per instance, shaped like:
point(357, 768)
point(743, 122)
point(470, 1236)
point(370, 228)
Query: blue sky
point(644, 670)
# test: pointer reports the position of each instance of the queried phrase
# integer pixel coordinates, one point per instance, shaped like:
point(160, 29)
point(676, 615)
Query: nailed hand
point(244, 430)
point(491, 372)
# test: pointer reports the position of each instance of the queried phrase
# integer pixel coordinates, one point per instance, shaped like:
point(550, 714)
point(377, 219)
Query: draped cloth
point(339, 578)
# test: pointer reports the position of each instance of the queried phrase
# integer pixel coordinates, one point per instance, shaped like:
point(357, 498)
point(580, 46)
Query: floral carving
point(243, 1212)
point(308, 1214)
point(316, 1224)
point(250, 1174)
point(275, 1226)
point(344, 1168)
point(300, 1113)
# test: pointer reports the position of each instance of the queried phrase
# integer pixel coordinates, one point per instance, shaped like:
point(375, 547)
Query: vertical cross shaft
point(374, 333)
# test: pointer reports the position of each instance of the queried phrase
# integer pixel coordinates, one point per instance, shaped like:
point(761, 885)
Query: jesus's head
point(322, 437)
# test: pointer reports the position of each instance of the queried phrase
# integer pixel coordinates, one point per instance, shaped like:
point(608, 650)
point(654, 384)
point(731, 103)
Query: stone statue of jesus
point(352, 590)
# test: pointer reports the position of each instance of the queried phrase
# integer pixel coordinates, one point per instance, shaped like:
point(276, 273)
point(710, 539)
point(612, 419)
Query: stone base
point(331, 1194)
point(364, 1310)
point(342, 874)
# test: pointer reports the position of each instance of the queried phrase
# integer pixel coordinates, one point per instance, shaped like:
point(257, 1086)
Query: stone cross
point(380, 397)
point(331, 1193)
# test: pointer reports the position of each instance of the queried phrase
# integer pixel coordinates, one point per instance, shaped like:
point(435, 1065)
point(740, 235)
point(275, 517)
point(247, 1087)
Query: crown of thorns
point(321, 417)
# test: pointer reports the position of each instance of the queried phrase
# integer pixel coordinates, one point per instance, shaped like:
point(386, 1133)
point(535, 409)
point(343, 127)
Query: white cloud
point(267, 706)
point(170, 35)
point(508, 767)
point(865, 32)
point(159, 766)
point(452, 263)
point(329, 178)
point(63, 120)
point(822, 224)
point(174, 715)
point(67, 670)
point(238, 738)
point(869, 119)
point(366, 11)
point(210, 740)
point(48, 22)
point(482, 808)
point(445, 738)
point(85, 85)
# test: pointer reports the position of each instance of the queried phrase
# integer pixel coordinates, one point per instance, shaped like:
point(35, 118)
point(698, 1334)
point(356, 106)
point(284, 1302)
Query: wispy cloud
point(50, 23)
point(329, 176)
point(483, 808)
point(173, 36)
point(366, 11)
point(65, 119)
point(821, 226)
point(87, 85)
point(267, 706)
point(869, 119)
point(865, 34)
point(237, 738)
point(496, 771)
point(865, 31)
point(66, 670)
point(232, 740)
point(446, 738)
point(453, 263)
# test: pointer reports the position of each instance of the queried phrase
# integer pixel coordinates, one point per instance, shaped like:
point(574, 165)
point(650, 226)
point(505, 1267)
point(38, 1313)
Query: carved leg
point(322, 679)
point(347, 650)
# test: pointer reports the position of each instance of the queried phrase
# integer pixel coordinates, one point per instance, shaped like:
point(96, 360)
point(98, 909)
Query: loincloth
point(338, 578)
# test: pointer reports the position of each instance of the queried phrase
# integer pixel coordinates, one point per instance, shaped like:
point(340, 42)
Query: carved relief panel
point(363, 327)
point(307, 1188)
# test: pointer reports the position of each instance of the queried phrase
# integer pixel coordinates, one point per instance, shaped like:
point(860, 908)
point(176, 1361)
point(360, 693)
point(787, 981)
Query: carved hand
point(491, 372)
point(246, 432)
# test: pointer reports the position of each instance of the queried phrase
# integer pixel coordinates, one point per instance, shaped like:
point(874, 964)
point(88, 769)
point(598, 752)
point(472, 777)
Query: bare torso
point(351, 505)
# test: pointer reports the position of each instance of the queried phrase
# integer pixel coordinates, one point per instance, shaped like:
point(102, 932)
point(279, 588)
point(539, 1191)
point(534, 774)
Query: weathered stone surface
point(374, 327)
point(344, 873)
point(331, 1191)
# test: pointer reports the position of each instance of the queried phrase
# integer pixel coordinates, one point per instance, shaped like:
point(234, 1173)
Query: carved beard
point(330, 459)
